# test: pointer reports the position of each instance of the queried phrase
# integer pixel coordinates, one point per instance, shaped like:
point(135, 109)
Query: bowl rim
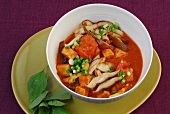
point(98, 5)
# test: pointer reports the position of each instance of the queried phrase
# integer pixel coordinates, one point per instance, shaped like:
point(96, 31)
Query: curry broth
point(133, 57)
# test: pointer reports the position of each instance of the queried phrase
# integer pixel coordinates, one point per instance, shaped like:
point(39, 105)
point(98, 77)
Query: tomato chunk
point(122, 66)
point(97, 52)
point(87, 47)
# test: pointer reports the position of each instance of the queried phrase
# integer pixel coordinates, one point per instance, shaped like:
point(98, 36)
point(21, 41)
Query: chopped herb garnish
point(76, 44)
point(74, 80)
point(123, 80)
point(120, 77)
point(105, 26)
point(92, 31)
point(102, 27)
point(81, 58)
point(99, 37)
point(84, 72)
point(68, 70)
point(72, 68)
point(110, 69)
point(78, 61)
point(116, 25)
point(71, 74)
point(119, 74)
point(101, 31)
point(79, 64)
point(67, 46)
point(73, 47)
point(78, 70)
point(123, 74)
point(113, 29)
point(78, 41)
point(114, 91)
point(86, 60)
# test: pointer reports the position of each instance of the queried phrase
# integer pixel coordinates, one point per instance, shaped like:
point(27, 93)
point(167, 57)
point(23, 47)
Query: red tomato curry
point(99, 60)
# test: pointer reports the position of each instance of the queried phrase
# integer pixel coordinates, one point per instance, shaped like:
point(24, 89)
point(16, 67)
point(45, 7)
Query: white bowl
point(96, 12)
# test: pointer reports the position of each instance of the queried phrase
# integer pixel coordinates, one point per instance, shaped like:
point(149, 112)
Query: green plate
point(31, 58)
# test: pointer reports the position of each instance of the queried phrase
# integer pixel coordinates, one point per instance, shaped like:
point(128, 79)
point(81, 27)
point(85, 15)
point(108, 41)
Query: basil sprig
point(41, 100)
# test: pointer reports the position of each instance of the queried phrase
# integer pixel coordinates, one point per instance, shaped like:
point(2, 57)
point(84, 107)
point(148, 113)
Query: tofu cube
point(61, 69)
point(108, 53)
point(119, 53)
point(82, 90)
point(104, 94)
point(84, 80)
point(66, 80)
point(129, 78)
point(69, 53)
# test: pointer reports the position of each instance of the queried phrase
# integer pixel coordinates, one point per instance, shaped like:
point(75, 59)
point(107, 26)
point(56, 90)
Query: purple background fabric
point(21, 19)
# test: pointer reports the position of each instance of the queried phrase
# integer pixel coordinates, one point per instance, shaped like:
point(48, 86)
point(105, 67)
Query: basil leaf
point(44, 104)
point(33, 110)
point(58, 95)
point(44, 110)
point(56, 103)
point(38, 100)
point(59, 110)
point(36, 85)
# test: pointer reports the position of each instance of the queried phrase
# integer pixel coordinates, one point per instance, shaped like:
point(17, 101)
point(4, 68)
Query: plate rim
point(14, 63)
point(45, 29)
point(157, 81)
